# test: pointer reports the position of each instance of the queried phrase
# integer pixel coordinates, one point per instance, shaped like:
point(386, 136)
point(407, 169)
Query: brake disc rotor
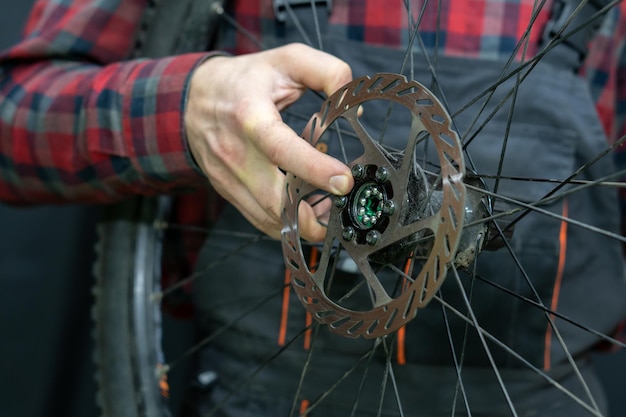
point(400, 215)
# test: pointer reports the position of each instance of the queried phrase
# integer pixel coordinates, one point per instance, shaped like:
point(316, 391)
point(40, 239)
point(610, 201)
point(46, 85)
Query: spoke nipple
point(161, 370)
point(389, 207)
point(217, 8)
point(160, 225)
point(340, 202)
point(372, 237)
point(358, 171)
point(381, 174)
point(207, 378)
point(347, 233)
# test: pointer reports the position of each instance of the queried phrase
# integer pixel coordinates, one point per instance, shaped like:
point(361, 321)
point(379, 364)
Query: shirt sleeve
point(79, 122)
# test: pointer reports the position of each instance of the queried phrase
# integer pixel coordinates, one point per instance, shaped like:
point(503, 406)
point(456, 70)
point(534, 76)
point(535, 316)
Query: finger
point(312, 68)
point(284, 148)
point(255, 190)
point(262, 205)
point(309, 225)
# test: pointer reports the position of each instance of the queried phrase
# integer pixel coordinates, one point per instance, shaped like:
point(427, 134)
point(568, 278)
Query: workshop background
point(46, 256)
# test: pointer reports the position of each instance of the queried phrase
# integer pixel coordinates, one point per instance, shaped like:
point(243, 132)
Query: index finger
point(283, 147)
point(312, 68)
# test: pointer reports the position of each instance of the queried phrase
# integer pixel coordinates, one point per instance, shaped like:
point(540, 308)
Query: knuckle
point(268, 225)
point(273, 146)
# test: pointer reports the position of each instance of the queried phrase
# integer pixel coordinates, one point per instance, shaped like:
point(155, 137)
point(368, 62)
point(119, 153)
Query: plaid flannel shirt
point(473, 28)
point(80, 122)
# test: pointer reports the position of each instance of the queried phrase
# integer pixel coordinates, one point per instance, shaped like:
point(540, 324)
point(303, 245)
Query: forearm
point(75, 132)
point(81, 122)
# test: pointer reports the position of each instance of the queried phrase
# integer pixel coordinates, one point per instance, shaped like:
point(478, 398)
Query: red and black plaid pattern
point(473, 28)
point(77, 121)
point(80, 122)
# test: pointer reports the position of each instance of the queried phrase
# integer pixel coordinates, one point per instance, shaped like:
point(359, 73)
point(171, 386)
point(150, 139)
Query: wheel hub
point(366, 209)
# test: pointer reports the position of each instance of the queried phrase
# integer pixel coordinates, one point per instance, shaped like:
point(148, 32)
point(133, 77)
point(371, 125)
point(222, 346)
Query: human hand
point(238, 138)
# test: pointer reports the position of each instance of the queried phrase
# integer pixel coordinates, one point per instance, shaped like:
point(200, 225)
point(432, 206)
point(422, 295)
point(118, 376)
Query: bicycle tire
point(126, 328)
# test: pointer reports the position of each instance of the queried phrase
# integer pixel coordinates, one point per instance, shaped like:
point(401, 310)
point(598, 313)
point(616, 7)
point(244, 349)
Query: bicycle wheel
point(469, 272)
point(128, 321)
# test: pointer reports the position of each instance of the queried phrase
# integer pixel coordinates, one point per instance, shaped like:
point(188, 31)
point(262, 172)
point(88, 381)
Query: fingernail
point(339, 184)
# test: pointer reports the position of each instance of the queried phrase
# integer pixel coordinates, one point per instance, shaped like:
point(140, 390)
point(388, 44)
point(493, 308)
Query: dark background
point(46, 256)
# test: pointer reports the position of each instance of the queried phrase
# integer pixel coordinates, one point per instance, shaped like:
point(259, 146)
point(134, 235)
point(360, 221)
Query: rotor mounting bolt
point(388, 207)
point(341, 201)
point(381, 174)
point(358, 171)
point(347, 233)
point(372, 237)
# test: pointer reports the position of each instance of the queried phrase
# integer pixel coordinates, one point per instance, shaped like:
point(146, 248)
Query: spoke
point(552, 326)
point(483, 342)
point(590, 163)
point(305, 368)
point(333, 245)
point(554, 313)
point(318, 32)
point(158, 296)
point(239, 28)
point(401, 273)
point(534, 207)
point(413, 35)
point(530, 64)
point(324, 197)
point(346, 374)
point(458, 365)
point(342, 145)
point(225, 327)
point(501, 79)
point(431, 67)
point(392, 376)
point(250, 377)
point(383, 380)
point(509, 120)
point(362, 384)
point(516, 355)
point(298, 24)
point(594, 183)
